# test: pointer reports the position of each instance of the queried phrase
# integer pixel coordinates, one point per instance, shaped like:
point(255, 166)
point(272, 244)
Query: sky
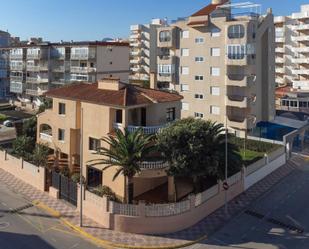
point(78, 20)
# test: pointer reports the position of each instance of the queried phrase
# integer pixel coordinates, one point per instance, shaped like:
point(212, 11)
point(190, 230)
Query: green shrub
point(76, 178)
point(253, 145)
point(105, 191)
point(3, 117)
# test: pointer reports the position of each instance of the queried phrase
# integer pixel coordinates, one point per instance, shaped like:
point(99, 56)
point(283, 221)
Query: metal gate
point(67, 188)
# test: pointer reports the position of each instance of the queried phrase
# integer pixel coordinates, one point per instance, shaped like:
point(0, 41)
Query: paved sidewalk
point(205, 227)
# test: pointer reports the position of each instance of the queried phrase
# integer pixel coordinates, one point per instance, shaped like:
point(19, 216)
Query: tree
point(40, 155)
point(23, 147)
point(196, 148)
point(29, 127)
point(46, 103)
point(125, 151)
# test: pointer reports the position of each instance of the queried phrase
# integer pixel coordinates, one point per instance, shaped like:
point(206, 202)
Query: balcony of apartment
point(33, 68)
point(135, 53)
point(36, 79)
point(136, 28)
point(198, 21)
point(301, 38)
point(17, 87)
point(36, 90)
point(16, 78)
point(137, 69)
point(280, 70)
point(17, 67)
point(280, 40)
point(304, 49)
point(300, 16)
point(167, 37)
point(300, 84)
point(240, 121)
point(301, 27)
point(135, 36)
point(82, 70)
point(300, 71)
point(16, 56)
point(280, 80)
point(166, 76)
point(279, 19)
point(280, 50)
point(136, 44)
point(239, 79)
point(36, 56)
point(302, 60)
point(280, 60)
point(237, 97)
point(136, 61)
point(89, 55)
point(239, 59)
point(46, 133)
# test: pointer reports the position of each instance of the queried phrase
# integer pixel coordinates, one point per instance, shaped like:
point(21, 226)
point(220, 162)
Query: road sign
point(226, 186)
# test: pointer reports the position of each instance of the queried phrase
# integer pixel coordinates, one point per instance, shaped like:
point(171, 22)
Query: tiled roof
point(129, 95)
point(208, 9)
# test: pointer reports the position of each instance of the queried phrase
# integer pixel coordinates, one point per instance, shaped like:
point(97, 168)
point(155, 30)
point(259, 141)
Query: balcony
point(17, 67)
point(135, 61)
point(240, 80)
point(136, 44)
point(280, 70)
point(155, 165)
point(300, 71)
point(86, 56)
point(33, 68)
point(166, 37)
point(16, 56)
point(279, 19)
point(280, 50)
point(166, 77)
point(237, 101)
point(136, 69)
point(46, 136)
point(83, 70)
point(302, 38)
point(303, 15)
point(36, 80)
point(303, 60)
point(238, 60)
point(136, 28)
point(145, 129)
point(36, 92)
point(34, 56)
point(279, 60)
point(241, 123)
point(135, 53)
point(135, 36)
point(16, 87)
point(280, 40)
point(279, 81)
point(300, 49)
point(301, 27)
point(302, 84)
point(16, 78)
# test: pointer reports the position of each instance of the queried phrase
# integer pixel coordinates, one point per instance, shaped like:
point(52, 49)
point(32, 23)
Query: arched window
point(236, 31)
point(165, 36)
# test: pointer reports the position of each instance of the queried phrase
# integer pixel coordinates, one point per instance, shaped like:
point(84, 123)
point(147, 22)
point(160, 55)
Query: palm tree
point(125, 151)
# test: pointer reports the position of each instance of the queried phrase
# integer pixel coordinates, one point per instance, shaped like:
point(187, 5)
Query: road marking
point(76, 245)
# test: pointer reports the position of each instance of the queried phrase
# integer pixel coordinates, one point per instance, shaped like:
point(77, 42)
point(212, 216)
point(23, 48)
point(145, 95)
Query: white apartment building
point(35, 68)
point(222, 63)
point(143, 46)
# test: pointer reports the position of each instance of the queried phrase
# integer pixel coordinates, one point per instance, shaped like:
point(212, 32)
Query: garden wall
point(27, 172)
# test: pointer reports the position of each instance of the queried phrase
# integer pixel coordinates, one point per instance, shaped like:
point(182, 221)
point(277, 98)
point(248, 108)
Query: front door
point(143, 116)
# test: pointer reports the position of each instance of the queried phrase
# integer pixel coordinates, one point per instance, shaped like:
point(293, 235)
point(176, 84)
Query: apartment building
point(143, 54)
point(222, 62)
point(292, 62)
point(4, 65)
point(96, 110)
point(37, 67)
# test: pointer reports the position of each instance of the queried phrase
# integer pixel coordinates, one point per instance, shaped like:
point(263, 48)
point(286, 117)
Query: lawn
point(250, 156)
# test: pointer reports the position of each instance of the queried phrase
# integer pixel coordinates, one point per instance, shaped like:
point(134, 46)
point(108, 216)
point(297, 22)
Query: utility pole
point(226, 162)
point(81, 171)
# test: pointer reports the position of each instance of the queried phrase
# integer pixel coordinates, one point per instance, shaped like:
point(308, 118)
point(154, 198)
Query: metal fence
point(161, 210)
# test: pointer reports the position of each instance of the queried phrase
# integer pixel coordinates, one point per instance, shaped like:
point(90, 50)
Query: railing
point(123, 209)
point(17, 67)
point(83, 56)
point(82, 69)
point(234, 179)
point(46, 136)
point(206, 195)
point(16, 56)
point(36, 80)
point(16, 78)
point(33, 68)
point(162, 210)
point(33, 56)
point(153, 165)
point(147, 129)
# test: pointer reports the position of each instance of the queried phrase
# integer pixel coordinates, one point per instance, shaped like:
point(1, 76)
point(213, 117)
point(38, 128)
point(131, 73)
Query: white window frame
point(216, 92)
point(185, 52)
point(215, 110)
point(185, 34)
point(184, 87)
point(215, 52)
point(186, 71)
point(215, 71)
point(185, 106)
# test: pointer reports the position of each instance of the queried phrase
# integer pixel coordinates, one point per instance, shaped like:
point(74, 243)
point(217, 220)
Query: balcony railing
point(16, 56)
point(83, 69)
point(34, 92)
point(300, 38)
point(33, 68)
point(280, 50)
point(46, 136)
point(36, 80)
point(154, 165)
point(83, 56)
point(280, 70)
point(16, 78)
point(279, 60)
point(280, 40)
point(300, 71)
point(300, 60)
point(301, 27)
point(237, 101)
point(240, 80)
point(145, 129)
point(17, 67)
point(33, 56)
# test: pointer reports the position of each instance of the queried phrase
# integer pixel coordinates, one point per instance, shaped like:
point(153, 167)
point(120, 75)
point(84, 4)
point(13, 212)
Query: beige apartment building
point(143, 50)
point(96, 110)
point(222, 63)
point(38, 67)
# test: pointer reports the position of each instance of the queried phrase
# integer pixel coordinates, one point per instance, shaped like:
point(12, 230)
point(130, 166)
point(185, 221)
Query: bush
point(105, 191)
point(76, 178)
point(253, 145)
point(3, 117)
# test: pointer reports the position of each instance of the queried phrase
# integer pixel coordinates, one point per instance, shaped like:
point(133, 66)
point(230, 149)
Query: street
point(279, 219)
point(23, 226)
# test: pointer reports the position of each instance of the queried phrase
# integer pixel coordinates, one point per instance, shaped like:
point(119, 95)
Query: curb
point(102, 242)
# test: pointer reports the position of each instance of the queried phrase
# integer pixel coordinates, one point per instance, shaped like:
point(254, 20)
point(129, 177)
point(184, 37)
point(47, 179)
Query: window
point(184, 52)
point(170, 114)
point(199, 77)
point(61, 109)
point(165, 36)
point(61, 134)
point(215, 51)
point(215, 71)
point(119, 116)
point(185, 34)
point(94, 144)
point(199, 59)
point(184, 87)
point(165, 69)
point(184, 70)
point(199, 40)
point(185, 106)
point(215, 110)
point(215, 32)
point(236, 52)
point(198, 115)
point(214, 90)
point(198, 96)
point(236, 31)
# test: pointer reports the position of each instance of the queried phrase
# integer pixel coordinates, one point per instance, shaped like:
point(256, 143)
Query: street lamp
point(81, 171)
point(226, 164)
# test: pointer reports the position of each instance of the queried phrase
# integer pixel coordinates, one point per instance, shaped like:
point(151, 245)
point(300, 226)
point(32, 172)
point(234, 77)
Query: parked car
point(9, 123)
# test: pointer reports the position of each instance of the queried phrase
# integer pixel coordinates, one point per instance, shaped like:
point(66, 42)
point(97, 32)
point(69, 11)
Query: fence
point(162, 210)
point(265, 140)
point(206, 195)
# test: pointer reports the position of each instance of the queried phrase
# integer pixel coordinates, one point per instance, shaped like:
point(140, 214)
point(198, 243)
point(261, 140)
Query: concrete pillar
point(153, 80)
point(171, 189)
point(125, 118)
point(141, 209)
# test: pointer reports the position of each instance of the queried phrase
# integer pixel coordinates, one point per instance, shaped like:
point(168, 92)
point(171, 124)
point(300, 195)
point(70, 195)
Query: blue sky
point(56, 20)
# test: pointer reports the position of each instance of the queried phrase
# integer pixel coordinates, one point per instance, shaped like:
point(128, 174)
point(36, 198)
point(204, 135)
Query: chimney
point(113, 84)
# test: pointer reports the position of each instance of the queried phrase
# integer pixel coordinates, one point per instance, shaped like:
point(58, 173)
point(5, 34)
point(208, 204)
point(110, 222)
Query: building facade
point(96, 110)
point(143, 54)
point(222, 63)
point(4, 64)
point(35, 68)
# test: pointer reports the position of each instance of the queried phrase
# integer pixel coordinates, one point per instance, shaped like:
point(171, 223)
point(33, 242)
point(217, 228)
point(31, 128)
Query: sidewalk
point(191, 235)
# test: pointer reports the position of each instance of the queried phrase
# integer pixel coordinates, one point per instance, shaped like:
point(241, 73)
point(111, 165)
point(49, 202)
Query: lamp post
point(81, 171)
point(226, 164)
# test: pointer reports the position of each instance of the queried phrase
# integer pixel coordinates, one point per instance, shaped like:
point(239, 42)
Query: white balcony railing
point(280, 50)
point(280, 40)
point(36, 80)
point(280, 70)
point(279, 60)
point(300, 60)
point(83, 69)
point(46, 136)
point(85, 56)
point(301, 27)
point(300, 38)
point(300, 71)
point(145, 129)
point(300, 49)
point(302, 15)
point(33, 68)
point(153, 165)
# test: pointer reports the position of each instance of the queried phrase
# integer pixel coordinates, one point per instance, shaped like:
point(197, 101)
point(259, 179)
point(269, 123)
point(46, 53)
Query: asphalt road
point(278, 220)
point(24, 227)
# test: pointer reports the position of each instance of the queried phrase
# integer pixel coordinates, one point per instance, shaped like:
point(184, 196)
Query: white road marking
point(76, 245)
